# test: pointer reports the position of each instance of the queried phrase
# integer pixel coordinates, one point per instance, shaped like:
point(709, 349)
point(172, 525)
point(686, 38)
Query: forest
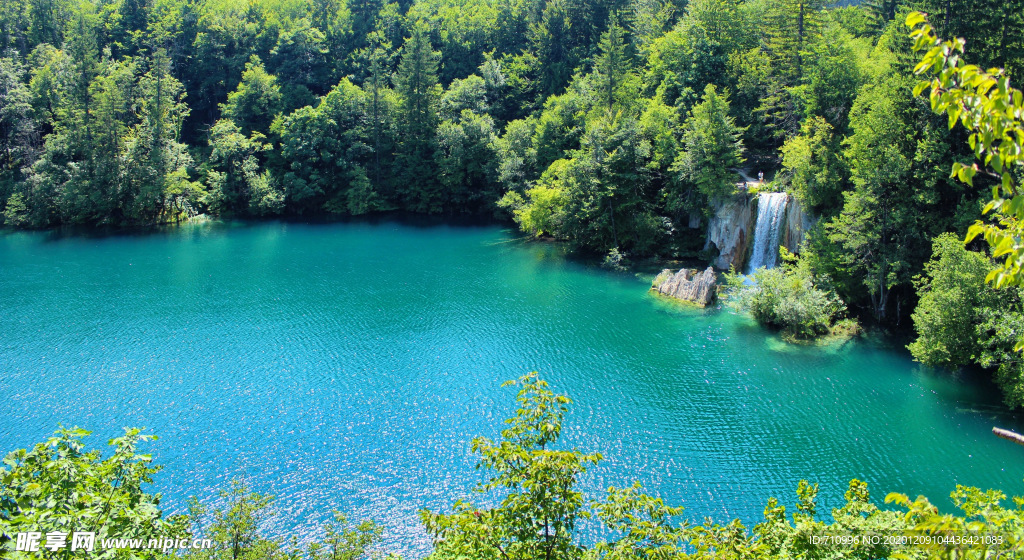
point(614, 125)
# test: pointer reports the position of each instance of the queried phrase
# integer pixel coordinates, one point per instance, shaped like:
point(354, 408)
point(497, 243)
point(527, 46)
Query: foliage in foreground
point(993, 112)
point(57, 486)
point(234, 527)
point(789, 298)
point(539, 512)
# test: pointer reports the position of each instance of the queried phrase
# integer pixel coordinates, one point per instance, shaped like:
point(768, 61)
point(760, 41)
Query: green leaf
point(914, 19)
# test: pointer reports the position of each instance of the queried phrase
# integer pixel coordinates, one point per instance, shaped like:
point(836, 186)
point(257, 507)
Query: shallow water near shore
point(348, 365)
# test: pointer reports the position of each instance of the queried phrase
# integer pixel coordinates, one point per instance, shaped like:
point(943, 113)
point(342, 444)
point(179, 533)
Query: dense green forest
point(615, 125)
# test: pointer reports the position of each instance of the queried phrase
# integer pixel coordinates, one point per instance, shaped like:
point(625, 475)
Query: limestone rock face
point(797, 224)
point(688, 284)
point(732, 227)
point(730, 231)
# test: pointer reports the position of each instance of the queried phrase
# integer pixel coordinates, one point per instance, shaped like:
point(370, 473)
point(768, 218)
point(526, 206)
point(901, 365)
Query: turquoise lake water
point(348, 365)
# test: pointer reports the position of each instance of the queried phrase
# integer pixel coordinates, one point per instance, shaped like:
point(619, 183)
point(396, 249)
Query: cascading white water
point(771, 213)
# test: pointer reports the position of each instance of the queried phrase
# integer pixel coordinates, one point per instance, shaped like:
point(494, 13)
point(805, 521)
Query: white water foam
point(771, 212)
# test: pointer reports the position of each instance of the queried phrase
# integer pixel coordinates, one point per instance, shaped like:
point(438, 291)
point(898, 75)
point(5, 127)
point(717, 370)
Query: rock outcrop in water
point(729, 231)
point(687, 284)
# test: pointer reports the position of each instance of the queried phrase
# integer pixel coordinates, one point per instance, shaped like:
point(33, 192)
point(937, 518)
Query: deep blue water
point(349, 365)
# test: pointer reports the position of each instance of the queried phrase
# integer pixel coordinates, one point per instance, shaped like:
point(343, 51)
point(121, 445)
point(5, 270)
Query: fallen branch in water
point(1007, 434)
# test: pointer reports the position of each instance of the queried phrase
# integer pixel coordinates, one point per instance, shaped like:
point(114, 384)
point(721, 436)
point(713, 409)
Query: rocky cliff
point(797, 224)
point(730, 230)
point(688, 285)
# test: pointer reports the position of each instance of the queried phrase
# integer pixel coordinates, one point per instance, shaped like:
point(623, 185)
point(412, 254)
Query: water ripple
point(348, 366)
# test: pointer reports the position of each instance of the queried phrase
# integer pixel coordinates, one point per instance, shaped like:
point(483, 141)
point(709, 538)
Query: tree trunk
point(1007, 434)
point(615, 234)
point(1001, 55)
point(799, 37)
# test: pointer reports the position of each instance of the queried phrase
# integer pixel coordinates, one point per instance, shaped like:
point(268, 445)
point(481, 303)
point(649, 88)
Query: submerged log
point(1007, 434)
point(688, 285)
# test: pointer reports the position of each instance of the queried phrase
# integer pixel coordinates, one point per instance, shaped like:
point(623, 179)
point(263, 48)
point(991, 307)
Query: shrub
point(16, 212)
point(789, 298)
point(57, 487)
point(615, 260)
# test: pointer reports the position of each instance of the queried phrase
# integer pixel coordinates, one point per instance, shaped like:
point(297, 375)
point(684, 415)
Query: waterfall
point(771, 212)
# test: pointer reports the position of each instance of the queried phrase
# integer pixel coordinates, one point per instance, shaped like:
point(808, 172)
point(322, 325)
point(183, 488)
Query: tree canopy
point(620, 128)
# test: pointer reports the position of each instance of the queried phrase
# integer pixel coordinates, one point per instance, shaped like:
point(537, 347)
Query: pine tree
point(48, 20)
point(14, 25)
point(552, 44)
point(712, 149)
point(158, 162)
point(648, 20)
point(791, 25)
point(1006, 19)
point(17, 127)
point(881, 13)
point(416, 82)
point(84, 58)
point(375, 83)
point(134, 17)
point(612, 64)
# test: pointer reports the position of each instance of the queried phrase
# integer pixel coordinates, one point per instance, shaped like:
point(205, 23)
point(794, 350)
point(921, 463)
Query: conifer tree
point(881, 13)
point(17, 127)
point(375, 83)
point(417, 85)
point(791, 25)
point(612, 64)
point(552, 44)
point(712, 148)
